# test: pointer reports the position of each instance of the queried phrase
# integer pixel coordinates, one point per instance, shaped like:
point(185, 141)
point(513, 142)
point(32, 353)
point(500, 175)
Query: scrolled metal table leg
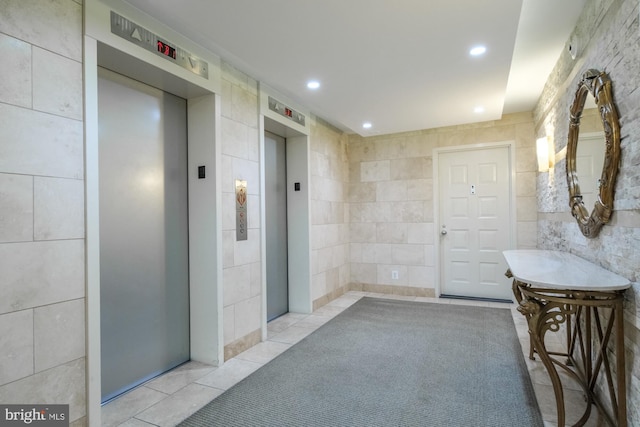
point(540, 316)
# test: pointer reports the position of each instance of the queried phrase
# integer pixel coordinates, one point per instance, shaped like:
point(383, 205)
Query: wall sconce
point(545, 160)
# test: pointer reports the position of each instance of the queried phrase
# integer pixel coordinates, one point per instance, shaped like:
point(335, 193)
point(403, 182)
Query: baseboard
point(507, 301)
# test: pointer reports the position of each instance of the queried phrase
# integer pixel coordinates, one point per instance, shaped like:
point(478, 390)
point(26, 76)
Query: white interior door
point(589, 163)
point(475, 222)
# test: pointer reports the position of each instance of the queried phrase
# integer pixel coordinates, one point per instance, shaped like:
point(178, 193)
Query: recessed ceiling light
point(479, 109)
point(313, 84)
point(367, 125)
point(477, 50)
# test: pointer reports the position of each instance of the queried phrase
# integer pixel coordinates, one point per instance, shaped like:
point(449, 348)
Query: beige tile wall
point(609, 38)
point(42, 309)
point(392, 206)
point(242, 293)
point(329, 170)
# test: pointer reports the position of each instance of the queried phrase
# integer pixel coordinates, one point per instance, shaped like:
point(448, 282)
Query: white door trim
point(511, 145)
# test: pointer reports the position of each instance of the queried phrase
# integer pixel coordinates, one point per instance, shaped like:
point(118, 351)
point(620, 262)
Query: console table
point(554, 288)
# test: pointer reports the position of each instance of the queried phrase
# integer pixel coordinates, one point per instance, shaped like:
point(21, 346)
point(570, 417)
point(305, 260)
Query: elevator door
point(144, 283)
point(276, 226)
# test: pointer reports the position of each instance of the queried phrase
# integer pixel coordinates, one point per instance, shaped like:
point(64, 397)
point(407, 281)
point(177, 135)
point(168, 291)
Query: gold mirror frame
point(599, 85)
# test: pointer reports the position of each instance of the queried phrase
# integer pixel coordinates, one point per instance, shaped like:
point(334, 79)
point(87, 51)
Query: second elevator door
point(276, 225)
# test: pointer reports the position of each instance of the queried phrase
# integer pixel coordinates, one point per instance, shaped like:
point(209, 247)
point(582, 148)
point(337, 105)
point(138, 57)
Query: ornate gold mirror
point(597, 84)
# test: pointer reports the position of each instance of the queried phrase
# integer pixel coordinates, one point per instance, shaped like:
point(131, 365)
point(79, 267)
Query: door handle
point(444, 230)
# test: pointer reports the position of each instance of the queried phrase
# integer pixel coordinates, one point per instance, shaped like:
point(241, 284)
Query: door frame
point(102, 48)
point(298, 154)
point(511, 146)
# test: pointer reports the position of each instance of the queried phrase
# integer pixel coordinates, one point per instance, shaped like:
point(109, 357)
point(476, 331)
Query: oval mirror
point(598, 85)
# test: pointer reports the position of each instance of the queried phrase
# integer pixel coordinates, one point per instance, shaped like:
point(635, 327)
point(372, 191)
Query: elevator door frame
point(102, 48)
point(298, 212)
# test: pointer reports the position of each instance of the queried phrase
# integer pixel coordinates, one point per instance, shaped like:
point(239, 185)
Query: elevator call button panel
point(130, 31)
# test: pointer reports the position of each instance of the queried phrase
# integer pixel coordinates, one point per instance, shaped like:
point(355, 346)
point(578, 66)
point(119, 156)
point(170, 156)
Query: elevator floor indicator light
point(166, 50)
point(140, 36)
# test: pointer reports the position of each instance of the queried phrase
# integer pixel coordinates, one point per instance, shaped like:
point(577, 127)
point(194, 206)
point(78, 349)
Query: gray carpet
point(390, 363)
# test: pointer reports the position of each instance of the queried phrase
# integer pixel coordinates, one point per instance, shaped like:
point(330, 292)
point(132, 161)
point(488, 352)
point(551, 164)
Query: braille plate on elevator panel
point(140, 36)
point(283, 110)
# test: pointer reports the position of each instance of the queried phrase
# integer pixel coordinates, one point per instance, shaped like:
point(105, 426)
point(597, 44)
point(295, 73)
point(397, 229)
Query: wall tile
point(375, 171)
point(244, 106)
point(59, 333)
point(407, 255)
point(228, 319)
point(58, 208)
point(247, 251)
point(391, 232)
point(526, 234)
point(362, 192)
point(41, 273)
point(376, 212)
point(526, 209)
point(408, 211)
point(16, 342)
point(422, 277)
point(363, 233)
point(50, 145)
point(53, 25)
point(229, 211)
point(15, 72)
point(248, 316)
point(364, 273)
point(235, 138)
point(319, 286)
point(256, 279)
point(324, 257)
point(355, 252)
point(228, 238)
point(420, 233)
point(420, 189)
point(57, 84)
point(63, 384)
point(377, 253)
point(237, 284)
point(391, 191)
point(16, 208)
point(526, 160)
point(526, 184)
point(360, 150)
point(412, 168)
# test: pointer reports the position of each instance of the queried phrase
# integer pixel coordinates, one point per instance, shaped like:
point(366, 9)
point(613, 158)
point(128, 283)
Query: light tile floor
point(172, 397)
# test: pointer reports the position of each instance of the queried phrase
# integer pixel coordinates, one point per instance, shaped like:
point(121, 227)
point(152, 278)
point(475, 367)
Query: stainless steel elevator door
point(276, 225)
point(144, 276)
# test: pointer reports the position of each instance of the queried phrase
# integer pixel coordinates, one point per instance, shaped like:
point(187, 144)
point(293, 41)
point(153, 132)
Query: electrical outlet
point(394, 274)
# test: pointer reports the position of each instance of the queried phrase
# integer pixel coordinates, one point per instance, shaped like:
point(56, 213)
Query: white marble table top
point(561, 270)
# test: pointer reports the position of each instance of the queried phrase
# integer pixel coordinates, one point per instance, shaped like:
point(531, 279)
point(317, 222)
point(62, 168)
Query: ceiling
point(401, 65)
